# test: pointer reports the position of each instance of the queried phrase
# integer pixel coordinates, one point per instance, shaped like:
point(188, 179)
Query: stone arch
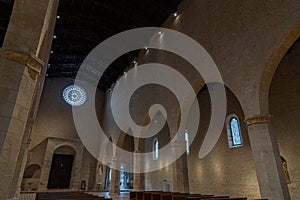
point(284, 108)
point(65, 149)
point(31, 177)
point(32, 171)
point(141, 142)
point(204, 171)
point(229, 92)
point(272, 64)
point(123, 138)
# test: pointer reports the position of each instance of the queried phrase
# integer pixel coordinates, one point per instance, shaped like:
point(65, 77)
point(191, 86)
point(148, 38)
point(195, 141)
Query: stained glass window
point(186, 137)
point(155, 149)
point(74, 95)
point(234, 132)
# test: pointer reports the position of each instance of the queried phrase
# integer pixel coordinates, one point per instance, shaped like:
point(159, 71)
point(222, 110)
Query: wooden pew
point(68, 196)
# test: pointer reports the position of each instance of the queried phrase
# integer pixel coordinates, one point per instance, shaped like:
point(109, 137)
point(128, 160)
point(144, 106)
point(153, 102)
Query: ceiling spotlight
point(51, 52)
point(175, 14)
point(54, 36)
point(58, 17)
point(146, 48)
point(159, 33)
point(134, 62)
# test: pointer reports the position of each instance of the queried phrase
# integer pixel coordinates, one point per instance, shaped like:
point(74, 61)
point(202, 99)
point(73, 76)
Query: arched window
point(186, 138)
point(155, 149)
point(234, 131)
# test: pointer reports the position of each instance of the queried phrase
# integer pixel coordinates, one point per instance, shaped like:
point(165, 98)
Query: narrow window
point(186, 137)
point(155, 149)
point(234, 132)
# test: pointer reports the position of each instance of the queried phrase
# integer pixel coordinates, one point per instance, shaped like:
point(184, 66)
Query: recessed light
point(175, 14)
point(51, 52)
point(54, 36)
point(159, 33)
point(58, 17)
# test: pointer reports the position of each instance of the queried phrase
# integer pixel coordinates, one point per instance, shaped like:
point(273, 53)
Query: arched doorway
point(61, 168)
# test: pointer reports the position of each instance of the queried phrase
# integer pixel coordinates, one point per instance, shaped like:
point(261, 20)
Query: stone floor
point(121, 196)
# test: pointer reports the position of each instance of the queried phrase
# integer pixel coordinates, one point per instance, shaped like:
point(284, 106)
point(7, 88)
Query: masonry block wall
point(285, 109)
point(54, 127)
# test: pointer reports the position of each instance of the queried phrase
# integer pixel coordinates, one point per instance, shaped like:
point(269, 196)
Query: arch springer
point(258, 119)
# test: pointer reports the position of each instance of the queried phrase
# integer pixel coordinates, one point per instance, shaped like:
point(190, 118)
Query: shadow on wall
point(285, 109)
point(228, 169)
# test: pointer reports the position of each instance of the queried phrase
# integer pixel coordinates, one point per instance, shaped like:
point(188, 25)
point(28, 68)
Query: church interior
point(48, 108)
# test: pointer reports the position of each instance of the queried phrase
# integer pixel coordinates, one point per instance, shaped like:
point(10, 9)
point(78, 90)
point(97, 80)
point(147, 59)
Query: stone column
point(138, 166)
point(45, 169)
point(267, 160)
point(180, 181)
point(100, 176)
point(115, 177)
point(20, 73)
point(23, 155)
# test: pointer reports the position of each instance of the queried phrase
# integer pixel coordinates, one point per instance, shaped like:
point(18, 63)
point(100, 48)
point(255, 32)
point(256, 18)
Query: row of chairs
point(68, 196)
point(158, 195)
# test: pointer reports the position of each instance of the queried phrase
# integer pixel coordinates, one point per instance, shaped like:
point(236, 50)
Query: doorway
point(61, 171)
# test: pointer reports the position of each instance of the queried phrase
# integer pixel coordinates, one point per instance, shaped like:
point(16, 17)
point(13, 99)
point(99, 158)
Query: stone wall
point(285, 109)
point(225, 171)
point(54, 127)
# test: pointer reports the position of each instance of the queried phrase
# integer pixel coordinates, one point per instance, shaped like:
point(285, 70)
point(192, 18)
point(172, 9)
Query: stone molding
point(259, 119)
point(33, 63)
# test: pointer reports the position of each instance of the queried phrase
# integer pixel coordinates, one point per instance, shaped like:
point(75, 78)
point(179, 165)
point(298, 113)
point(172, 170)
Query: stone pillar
point(20, 73)
point(45, 169)
point(100, 176)
point(180, 181)
point(23, 155)
point(267, 160)
point(115, 177)
point(138, 166)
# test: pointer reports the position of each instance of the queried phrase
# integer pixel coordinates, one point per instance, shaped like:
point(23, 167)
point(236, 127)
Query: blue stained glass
point(74, 95)
point(235, 132)
point(155, 150)
point(186, 137)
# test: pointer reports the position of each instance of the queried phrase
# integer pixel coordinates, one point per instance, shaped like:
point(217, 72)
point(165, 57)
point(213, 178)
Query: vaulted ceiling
point(83, 24)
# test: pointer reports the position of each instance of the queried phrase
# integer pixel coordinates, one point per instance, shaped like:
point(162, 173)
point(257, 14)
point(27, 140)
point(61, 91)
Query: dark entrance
point(61, 171)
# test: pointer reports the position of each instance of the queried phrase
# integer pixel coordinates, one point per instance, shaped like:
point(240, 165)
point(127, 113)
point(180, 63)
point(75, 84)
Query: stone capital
point(33, 63)
point(259, 119)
